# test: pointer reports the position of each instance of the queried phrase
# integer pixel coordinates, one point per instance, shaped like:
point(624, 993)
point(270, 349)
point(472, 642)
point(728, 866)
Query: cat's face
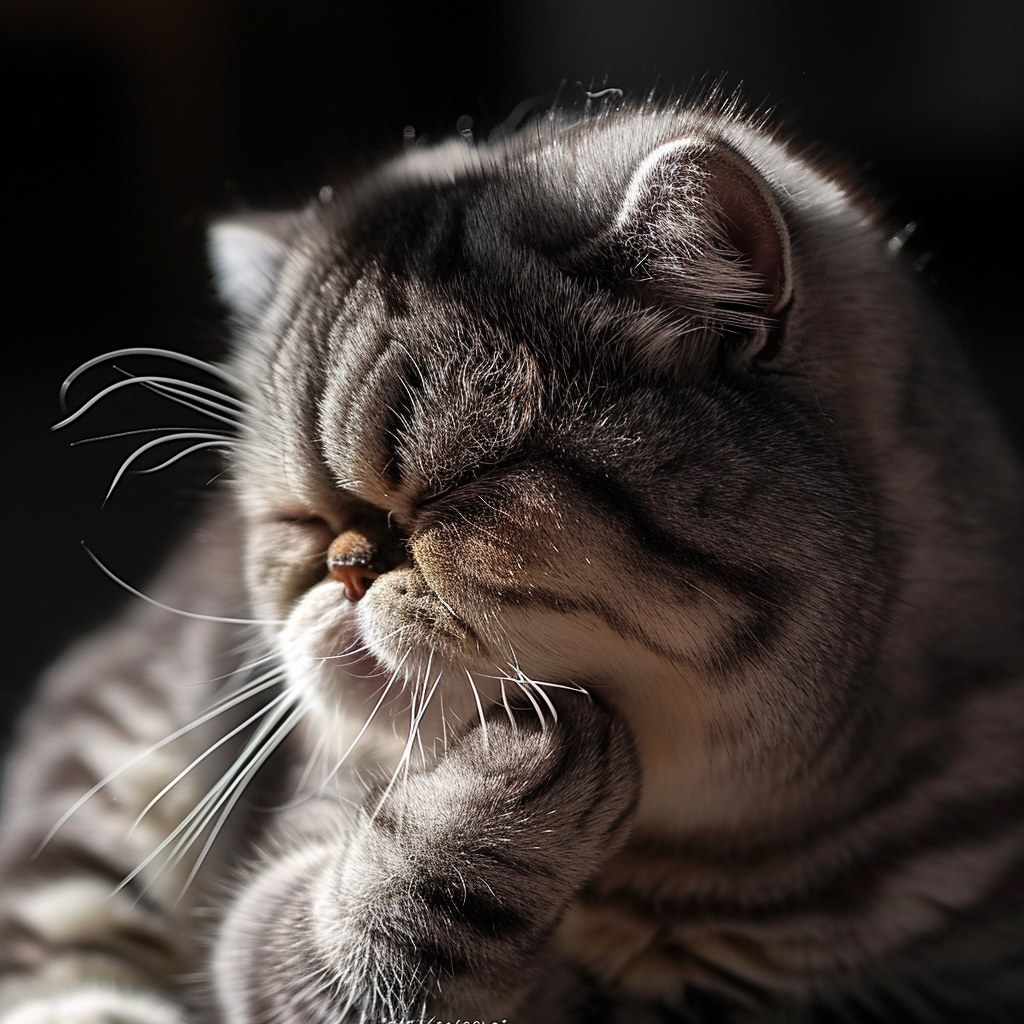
point(495, 481)
point(476, 463)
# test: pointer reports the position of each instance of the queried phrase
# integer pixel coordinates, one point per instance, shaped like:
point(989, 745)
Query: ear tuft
point(247, 255)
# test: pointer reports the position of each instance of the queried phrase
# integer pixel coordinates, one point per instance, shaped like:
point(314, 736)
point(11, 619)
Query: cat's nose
point(349, 559)
point(362, 553)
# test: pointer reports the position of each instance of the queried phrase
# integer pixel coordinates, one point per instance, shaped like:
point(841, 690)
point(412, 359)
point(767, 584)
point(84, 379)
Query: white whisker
point(218, 410)
point(145, 430)
point(480, 709)
point(219, 443)
point(315, 756)
point(529, 697)
point(535, 687)
point(142, 449)
point(179, 611)
point(366, 724)
point(249, 690)
point(119, 384)
point(200, 364)
point(239, 788)
point(184, 833)
point(216, 745)
point(413, 725)
point(504, 701)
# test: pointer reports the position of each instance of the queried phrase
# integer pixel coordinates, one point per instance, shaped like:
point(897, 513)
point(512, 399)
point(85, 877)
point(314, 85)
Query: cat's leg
point(75, 949)
point(436, 906)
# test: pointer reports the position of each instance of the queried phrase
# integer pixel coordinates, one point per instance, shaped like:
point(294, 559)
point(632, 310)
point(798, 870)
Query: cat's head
point(513, 420)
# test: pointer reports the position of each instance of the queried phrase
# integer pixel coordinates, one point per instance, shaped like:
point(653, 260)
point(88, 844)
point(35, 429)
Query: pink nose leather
point(355, 578)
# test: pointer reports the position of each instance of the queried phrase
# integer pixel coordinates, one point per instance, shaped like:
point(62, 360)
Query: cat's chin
point(325, 654)
point(344, 677)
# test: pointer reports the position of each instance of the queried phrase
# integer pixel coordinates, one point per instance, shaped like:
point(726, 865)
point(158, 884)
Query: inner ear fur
point(701, 224)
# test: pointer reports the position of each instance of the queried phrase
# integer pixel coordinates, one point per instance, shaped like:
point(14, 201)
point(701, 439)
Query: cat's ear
point(700, 228)
point(247, 254)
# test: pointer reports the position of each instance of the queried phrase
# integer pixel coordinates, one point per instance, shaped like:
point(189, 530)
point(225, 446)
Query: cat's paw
point(458, 878)
point(539, 784)
point(447, 885)
point(94, 1006)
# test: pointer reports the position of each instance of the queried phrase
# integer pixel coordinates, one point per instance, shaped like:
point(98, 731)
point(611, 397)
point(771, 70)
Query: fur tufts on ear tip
point(246, 256)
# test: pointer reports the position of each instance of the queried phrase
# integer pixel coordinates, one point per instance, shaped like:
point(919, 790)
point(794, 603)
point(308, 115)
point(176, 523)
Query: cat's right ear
point(700, 229)
point(247, 254)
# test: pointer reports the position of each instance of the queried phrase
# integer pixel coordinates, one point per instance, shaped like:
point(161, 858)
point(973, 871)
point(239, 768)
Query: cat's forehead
point(408, 374)
point(463, 303)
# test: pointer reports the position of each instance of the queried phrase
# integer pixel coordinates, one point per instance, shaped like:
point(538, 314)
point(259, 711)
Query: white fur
point(94, 1006)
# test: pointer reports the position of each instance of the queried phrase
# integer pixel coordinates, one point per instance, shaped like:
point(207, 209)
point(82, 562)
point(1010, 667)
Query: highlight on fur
point(613, 609)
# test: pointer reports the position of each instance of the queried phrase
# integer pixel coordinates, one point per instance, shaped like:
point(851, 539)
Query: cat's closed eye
point(630, 624)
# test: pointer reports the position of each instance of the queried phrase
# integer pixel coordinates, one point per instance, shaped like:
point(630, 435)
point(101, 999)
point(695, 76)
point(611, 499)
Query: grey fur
point(643, 404)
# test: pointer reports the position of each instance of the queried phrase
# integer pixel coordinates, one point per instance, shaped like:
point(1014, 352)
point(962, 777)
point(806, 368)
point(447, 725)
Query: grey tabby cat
point(638, 580)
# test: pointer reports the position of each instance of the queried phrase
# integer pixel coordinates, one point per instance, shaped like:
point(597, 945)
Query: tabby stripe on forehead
point(399, 414)
point(311, 322)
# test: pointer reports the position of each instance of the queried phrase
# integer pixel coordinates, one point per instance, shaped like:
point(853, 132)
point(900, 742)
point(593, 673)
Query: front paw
point(434, 903)
point(94, 1006)
point(463, 872)
point(526, 789)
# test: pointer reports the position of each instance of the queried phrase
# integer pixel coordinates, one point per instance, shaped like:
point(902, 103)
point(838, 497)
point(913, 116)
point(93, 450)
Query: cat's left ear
point(702, 230)
point(247, 254)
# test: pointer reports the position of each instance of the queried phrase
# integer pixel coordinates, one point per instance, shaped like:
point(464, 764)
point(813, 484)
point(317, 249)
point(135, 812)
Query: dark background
point(129, 123)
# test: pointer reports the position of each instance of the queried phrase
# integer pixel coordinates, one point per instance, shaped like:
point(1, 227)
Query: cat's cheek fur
point(354, 665)
point(406, 623)
point(330, 671)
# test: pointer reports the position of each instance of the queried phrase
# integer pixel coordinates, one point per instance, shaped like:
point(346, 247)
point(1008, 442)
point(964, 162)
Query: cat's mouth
point(372, 673)
point(326, 651)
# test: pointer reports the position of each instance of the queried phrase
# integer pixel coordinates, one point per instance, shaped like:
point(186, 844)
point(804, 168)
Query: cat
point(614, 614)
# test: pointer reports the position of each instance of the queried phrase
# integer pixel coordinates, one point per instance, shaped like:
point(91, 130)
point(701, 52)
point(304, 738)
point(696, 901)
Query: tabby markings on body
point(614, 614)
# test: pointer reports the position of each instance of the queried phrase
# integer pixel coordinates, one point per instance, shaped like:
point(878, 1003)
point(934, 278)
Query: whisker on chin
point(529, 697)
point(366, 724)
point(414, 716)
point(415, 719)
point(525, 681)
point(505, 704)
point(480, 709)
point(444, 725)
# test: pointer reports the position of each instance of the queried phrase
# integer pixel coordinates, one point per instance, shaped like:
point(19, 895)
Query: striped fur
point(641, 580)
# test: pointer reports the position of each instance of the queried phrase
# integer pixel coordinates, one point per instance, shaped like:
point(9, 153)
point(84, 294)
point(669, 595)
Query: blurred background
point(131, 123)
